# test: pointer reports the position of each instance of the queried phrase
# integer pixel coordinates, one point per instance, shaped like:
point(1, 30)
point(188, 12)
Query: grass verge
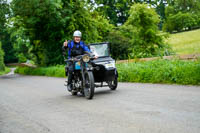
point(7, 70)
point(161, 71)
point(53, 71)
point(157, 71)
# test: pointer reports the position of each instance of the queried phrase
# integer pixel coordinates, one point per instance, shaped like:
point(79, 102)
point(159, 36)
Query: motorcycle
point(90, 73)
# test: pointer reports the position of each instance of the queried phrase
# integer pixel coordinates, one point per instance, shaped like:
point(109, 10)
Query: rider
point(75, 47)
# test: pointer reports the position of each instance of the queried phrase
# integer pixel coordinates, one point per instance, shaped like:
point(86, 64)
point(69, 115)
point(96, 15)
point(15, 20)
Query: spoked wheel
point(73, 92)
point(89, 85)
point(113, 84)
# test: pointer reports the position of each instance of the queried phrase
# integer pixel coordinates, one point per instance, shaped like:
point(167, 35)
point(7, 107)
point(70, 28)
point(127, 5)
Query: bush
point(120, 44)
point(161, 71)
point(180, 21)
point(2, 65)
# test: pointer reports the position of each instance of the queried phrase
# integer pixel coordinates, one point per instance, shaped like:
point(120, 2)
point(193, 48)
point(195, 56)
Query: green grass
point(161, 71)
point(5, 72)
point(53, 71)
point(157, 71)
point(185, 42)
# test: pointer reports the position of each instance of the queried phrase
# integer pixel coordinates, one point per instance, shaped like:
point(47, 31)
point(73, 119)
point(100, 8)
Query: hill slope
point(185, 42)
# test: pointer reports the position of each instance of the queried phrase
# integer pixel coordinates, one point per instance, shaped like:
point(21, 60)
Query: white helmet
point(77, 33)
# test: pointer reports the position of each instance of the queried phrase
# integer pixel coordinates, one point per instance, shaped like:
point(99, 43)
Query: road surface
point(33, 104)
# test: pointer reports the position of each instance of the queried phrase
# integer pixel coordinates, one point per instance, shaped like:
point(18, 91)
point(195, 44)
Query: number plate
point(110, 65)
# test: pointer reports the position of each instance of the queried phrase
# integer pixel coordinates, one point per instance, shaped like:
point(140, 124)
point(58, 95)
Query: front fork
point(84, 70)
point(83, 73)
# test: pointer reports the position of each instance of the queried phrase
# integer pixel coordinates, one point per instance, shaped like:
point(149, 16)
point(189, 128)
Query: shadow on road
point(98, 94)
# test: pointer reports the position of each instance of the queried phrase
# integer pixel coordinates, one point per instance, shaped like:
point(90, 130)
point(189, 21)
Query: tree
point(120, 43)
point(4, 35)
point(146, 39)
point(115, 10)
point(46, 24)
point(2, 66)
point(182, 15)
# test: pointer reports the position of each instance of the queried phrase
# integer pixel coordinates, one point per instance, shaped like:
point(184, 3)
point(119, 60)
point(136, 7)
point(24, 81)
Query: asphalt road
point(33, 104)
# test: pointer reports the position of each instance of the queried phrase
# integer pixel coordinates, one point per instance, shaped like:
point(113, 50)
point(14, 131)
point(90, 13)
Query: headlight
point(86, 58)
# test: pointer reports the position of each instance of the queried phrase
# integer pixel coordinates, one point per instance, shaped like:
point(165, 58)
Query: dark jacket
point(79, 46)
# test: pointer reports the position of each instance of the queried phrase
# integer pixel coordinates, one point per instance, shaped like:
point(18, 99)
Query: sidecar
point(104, 70)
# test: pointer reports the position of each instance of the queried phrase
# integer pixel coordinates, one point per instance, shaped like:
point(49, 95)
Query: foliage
point(181, 21)
point(102, 25)
point(182, 15)
point(185, 42)
point(161, 71)
point(2, 66)
point(4, 35)
point(139, 36)
point(146, 40)
point(115, 11)
point(119, 43)
point(42, 26)
point(21, 43)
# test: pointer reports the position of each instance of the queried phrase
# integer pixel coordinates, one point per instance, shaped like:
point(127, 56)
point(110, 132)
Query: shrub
point(120, 44)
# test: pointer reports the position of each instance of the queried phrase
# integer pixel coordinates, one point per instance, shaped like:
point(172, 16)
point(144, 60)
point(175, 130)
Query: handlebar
point(77, 58)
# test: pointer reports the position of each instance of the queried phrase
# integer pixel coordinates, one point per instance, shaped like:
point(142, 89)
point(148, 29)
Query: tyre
point(89, 85)
point(113, 84)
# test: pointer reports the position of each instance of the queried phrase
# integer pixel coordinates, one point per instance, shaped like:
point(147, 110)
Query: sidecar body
point(104, 65)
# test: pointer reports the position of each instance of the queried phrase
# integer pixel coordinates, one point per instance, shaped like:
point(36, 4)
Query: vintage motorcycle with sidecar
point(90, 73)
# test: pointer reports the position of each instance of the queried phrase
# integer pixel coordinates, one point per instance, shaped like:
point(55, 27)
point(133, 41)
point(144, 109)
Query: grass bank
point(5, 72)
point(157, 71)
point(161, 71)
point(185, 42)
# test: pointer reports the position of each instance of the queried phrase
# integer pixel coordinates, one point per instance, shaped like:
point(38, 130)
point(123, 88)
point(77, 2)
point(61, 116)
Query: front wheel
point(113, 84)
point(89, 85)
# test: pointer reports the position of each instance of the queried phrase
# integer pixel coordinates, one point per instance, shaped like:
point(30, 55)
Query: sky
point(9, 1)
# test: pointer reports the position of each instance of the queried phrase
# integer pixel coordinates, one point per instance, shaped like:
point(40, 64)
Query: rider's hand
point(93, 56)
point(65, 43)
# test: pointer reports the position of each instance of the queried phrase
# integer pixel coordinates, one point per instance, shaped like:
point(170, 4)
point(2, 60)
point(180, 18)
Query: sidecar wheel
point(113, 84)
point(89, 85)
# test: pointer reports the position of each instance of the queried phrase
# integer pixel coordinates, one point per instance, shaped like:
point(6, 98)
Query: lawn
point(185, 42)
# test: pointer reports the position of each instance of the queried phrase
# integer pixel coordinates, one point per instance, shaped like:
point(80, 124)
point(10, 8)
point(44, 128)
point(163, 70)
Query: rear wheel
point(113, 84)
point(89, 85)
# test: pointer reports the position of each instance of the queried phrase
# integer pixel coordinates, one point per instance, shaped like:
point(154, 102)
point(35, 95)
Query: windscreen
point(100, 49)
